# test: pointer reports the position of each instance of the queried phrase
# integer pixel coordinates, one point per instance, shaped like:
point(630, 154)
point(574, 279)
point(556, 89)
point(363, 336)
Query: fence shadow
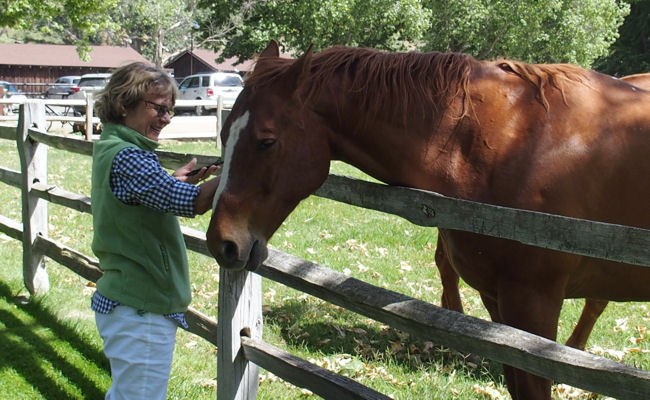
point(23, 348)
point(302, 324)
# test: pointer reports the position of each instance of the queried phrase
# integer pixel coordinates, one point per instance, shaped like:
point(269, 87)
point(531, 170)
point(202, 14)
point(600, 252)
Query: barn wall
point(187, 65)
point(33, 80)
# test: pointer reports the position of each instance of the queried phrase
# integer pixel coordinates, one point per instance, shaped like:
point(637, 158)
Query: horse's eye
point(265, 144)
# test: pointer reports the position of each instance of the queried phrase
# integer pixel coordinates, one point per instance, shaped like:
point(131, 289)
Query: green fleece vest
point(140, 250)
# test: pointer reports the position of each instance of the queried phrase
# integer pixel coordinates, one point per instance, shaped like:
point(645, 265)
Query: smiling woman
point(145, 290)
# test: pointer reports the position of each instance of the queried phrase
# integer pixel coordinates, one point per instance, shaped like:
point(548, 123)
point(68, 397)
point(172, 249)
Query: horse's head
point(275, 155)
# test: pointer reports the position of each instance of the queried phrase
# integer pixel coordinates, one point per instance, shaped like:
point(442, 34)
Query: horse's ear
point(300, 69)
point(272, 50)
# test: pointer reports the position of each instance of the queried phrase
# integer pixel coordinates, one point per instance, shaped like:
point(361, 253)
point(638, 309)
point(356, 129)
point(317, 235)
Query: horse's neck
point(416, 150)
point(414, 156)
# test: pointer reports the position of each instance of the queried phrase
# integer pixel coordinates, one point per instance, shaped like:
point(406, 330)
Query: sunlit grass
point(375, 247)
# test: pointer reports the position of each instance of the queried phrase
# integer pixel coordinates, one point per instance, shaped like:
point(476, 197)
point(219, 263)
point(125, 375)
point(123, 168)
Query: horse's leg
point(590, 313)
point(449, 279)
point(535, 308)
point(493, 309)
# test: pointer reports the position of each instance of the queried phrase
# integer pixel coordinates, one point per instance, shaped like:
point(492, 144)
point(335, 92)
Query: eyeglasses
point(160, 109)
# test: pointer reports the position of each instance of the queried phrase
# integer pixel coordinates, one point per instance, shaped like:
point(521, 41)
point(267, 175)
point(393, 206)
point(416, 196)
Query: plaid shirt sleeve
point(138, 178)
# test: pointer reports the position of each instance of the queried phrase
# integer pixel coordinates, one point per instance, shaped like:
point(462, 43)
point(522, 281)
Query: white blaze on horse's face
point(233, 137)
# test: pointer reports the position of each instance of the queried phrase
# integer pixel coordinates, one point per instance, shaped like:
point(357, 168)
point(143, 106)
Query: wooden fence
point(63, 111)
point(238, 334)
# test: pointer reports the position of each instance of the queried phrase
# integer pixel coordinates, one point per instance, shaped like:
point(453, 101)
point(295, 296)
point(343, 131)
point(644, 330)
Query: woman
point(144, 291)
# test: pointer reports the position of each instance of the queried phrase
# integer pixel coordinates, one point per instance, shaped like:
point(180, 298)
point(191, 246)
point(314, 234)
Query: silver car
point(209, 86)
point(89, 83)
point(63, 86)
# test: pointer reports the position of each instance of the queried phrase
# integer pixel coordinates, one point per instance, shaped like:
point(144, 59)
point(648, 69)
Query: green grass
point(50, 349)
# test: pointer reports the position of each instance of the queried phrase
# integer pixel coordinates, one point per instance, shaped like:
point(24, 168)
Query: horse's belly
point(473, 258)
point(487, 263)
point(601, 279)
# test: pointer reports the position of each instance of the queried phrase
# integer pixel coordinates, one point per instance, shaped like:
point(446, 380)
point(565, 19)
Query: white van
point(209, 86)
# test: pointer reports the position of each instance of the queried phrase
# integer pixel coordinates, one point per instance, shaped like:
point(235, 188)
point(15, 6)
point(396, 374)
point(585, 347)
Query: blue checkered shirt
point(137, 178)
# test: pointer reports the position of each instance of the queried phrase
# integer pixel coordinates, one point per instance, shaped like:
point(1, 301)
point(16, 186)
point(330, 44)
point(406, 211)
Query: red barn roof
point(53, 55)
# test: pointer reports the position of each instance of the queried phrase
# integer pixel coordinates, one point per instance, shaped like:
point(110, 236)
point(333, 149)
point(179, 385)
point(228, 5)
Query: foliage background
point(630, 53)
point(584, 32)
point(575, 31)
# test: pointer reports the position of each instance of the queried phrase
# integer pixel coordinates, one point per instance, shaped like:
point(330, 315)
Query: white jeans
point(139, 347)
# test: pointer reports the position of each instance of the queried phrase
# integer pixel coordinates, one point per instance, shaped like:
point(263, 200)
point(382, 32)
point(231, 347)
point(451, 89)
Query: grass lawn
point(50, 349)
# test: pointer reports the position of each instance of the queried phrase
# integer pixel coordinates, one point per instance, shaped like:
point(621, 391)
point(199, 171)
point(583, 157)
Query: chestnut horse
point(593, 308)
point(553, 138)
point(639, 80)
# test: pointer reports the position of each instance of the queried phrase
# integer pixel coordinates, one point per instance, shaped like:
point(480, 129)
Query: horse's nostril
point(229, 250)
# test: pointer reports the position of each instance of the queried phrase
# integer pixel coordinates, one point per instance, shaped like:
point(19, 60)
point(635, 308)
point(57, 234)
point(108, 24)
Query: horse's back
point(639, 80)
point(577, 145)
point(586, 131)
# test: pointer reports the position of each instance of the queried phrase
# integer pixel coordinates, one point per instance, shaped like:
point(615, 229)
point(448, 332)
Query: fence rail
point(589, 238)
point(238, 334)
point(79, 112)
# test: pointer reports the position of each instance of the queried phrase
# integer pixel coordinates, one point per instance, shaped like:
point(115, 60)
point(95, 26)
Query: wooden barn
point(32, 67)
point(195, 61)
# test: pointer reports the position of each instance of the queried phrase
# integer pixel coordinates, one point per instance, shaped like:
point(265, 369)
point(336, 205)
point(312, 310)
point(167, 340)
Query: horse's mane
point(382, 81)
point(544, 76)
point(400, 83)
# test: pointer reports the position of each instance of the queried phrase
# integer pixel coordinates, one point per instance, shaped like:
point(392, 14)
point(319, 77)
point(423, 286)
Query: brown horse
point(551, 138)
point(593, 308)
point(639, 80)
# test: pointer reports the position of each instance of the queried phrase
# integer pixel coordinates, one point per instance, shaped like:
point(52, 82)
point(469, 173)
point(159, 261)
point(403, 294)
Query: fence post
point(219, 119)
point(240, 313)
point(90, 105)
point(33, 166)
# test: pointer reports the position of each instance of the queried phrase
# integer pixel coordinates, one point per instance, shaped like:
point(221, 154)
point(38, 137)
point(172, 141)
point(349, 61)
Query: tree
point(574, 31)
point(154, 28)
point(383, 24)
point(630, 54)
point(78, 20)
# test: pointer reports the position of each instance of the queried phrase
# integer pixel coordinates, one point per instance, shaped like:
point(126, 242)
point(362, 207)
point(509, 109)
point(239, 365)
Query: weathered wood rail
point(62, 111)
point(238, 335)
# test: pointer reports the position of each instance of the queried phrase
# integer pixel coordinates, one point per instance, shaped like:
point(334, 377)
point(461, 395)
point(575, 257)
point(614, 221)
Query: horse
point(592, 309)
point(641, 80)
point(554, 138)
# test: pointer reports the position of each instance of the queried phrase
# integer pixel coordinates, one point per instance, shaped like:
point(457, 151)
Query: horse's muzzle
point(233, 256)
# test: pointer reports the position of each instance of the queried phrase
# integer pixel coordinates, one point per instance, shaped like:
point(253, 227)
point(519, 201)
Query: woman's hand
point(182, 173)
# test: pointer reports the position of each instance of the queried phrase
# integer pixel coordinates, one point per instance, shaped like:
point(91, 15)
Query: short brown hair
point(127, 86)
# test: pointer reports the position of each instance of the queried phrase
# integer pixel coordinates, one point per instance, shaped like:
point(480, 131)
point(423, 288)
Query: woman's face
point(150, 115)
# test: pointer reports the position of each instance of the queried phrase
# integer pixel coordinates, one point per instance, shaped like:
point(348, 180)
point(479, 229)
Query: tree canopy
point(154, 27)
point(575, 31)
point(382, 24)
point(75, 20)
point(630, 54)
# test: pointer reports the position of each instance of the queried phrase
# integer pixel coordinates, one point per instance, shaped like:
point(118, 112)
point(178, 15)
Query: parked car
point(209, 86)
point(10, 92)
point(88, 83)
point(63, 86)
